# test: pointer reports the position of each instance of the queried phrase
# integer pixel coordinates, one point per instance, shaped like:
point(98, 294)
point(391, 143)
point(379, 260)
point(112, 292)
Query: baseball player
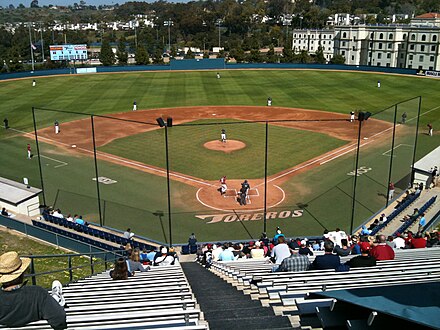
point(429, 129)
point(34, 83)
point(134, 105)
point(378, 84)
point(29, 151)
point(6, 122)
point(269, 101)
point(404, 115)
point(244, 191)
point(57, 127)
point(351, 116)
point(223, 135)
point(218, 75)
point(223, 186)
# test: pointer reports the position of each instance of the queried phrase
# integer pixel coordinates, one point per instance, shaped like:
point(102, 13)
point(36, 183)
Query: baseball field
point(305, 144)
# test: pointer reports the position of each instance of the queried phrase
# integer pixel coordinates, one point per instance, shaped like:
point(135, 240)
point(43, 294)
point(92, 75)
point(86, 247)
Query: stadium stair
point(226, 308)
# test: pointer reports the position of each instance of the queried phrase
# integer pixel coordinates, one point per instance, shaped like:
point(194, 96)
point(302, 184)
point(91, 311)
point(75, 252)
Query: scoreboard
point(68, 52)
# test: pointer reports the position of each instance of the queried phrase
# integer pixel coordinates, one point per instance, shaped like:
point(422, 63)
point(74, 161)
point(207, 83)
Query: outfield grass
point(287, 147)
point(139, 199)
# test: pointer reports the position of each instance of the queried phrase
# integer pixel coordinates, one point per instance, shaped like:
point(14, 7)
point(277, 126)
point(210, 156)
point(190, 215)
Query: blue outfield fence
point(209, 64)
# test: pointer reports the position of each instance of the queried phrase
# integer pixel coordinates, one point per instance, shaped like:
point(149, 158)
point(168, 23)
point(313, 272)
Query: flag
point(33, 47)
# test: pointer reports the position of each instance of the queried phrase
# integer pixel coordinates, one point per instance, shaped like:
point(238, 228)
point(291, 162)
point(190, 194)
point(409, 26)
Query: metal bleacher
point(158, 299)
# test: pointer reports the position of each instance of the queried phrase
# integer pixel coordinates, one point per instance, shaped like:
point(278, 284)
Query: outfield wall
point(202, 65)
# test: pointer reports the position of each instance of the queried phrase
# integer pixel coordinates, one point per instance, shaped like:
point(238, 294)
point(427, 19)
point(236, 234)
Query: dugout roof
point(15, 193)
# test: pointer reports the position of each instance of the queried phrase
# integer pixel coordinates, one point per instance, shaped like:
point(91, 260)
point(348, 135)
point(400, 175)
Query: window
point(411, 47)
point(389, 55)
point(431, 58)
point(388, 64)
point(413, 37)
point(380, 45)
point(434, 38)
point(401, 55)
point(344, 35)
point(381, 36)
point(343, 43)
point(369, 54)
point(371, 44)
point(421, 58)
point(390, 36)
point(422, 48)
point(378, 63)
point(424, 37)
point(352, 57)
point(354, 48)
point(431, 68)
point(343, 53)
point(354, 38)
point(410, 57)
point(433, 48)
point(390, 45)
point(404, 36)
point(323, 42)
point(379, 56)
point(372, 35)
point(294, 35)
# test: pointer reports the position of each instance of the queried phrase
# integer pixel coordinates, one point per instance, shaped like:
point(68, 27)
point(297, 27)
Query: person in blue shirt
point(226, 254)
point(328, 260)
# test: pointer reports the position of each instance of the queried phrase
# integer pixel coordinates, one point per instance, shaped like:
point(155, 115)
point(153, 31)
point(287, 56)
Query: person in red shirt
point(29, 151)
point(382, 251)
point(418, 242)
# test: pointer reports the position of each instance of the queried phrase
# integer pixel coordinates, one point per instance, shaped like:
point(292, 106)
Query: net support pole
point(265, 178)
point(168, 187)
point(39, 157)
point(390, 172)
point(415, 140)
point(353, 205)
point(96, 170)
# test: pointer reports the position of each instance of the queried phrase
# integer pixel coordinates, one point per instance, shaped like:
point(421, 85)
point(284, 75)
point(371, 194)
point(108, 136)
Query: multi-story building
point(416, 45)
point(310, 40)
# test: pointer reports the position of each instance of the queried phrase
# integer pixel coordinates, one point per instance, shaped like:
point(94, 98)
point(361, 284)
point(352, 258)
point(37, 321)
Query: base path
point(78, 133)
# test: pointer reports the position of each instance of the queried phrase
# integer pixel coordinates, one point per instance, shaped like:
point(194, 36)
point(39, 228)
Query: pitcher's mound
point(228, 146)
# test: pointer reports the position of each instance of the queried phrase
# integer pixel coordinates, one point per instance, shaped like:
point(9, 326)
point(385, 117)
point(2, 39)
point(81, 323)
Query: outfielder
point(218, 75)
point(378, 84)
point(269, 101)
point(223, 135)
point(34, 82)
point(57, 127)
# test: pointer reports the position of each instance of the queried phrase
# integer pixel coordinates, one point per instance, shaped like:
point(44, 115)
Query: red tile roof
point(429, 15)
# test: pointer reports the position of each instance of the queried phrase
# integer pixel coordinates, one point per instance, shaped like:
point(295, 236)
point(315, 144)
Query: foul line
point(55, 160)
point(399, 145)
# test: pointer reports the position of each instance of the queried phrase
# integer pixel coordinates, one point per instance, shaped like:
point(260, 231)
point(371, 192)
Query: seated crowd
point(292, 255)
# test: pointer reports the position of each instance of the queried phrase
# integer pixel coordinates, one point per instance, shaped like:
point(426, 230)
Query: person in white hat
point(21, 304)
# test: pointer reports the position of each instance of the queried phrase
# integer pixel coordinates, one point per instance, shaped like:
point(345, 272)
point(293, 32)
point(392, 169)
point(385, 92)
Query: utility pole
point(219, 24)
point(31, 46)
point(169, 23)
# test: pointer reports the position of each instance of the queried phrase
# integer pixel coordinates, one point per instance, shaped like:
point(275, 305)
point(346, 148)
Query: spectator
point(257, 252)
point(216, 250)
point(412, 216)
point(365, 231)
point(120, 272)
point(69, 218)
point(151, 254)
point(295, 244)
point(382, 250)
point(294, 263)
point(399, 242)
point(343, 250)
point(226, 255)
point(280, 251)
point(418, 242)
point(373, 225)
point(264, 239)
point(57, 214)
point(21, 304)
point(355, 247)
point(382, 218)
point(164, 259)
point(128, 234)
point(364, 243)
point(422, 223)
point(390, 242)
point(144, 257)
point(328, 260)
point(5, 212)
point(364, 260)
point(304, 249)
point(80, 221)
point(134, 264)
point(278, 234)
point(316, 246)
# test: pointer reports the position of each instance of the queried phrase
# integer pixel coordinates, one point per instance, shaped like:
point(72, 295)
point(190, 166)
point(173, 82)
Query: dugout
point(422, 169)
point(19, 198)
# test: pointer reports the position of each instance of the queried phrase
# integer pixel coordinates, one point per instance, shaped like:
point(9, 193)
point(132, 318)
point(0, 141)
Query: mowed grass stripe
point(287, 148)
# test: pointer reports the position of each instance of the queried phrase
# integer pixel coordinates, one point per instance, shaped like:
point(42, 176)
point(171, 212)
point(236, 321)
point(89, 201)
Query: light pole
point(169, 23)
point(219, 24)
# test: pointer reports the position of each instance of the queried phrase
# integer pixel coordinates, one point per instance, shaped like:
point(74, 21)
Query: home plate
point(73, 145)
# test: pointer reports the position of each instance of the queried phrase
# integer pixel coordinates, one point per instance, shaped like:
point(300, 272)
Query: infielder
point(29, 151)
point(351, 116)
point(57, 127)
point(134, 105)
point(223, 136)
point(269, 101)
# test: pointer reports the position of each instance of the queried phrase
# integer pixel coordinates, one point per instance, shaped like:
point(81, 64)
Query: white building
point(413, 46)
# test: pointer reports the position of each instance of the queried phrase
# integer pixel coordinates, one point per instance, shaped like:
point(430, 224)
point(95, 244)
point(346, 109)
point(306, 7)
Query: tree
point(287, 56)
point(337, 59)
point(320, 56)
point(238, 54)
point(107, 57)
point(189, 54)
point(142, 57)
point(157, 59)
point(205, 55)
point(254, 56)
point(303, 57)
point(271, 57)
point(121, 53)
point(34, 4)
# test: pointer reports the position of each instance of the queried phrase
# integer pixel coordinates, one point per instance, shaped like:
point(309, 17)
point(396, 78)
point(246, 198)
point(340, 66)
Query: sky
point(27, 3)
